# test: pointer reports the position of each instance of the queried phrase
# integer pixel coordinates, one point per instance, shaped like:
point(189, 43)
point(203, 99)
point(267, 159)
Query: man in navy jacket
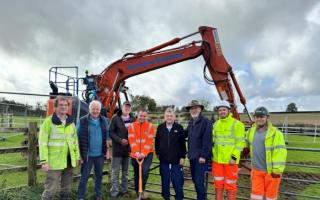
point(93, 133)
point(170, 148)
point(199, 145)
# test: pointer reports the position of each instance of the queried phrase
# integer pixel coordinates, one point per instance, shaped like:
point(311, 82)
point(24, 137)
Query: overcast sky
point(273, 46)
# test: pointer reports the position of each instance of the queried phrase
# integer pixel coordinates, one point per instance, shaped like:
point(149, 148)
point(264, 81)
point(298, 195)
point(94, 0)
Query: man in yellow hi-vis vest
point(268, 156)
point(58, 150)
point(229, 140)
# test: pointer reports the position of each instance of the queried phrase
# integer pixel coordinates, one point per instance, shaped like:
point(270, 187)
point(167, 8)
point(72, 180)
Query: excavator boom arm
point(109, 82)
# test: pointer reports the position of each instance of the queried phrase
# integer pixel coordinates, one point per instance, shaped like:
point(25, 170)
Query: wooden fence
point(32, 152)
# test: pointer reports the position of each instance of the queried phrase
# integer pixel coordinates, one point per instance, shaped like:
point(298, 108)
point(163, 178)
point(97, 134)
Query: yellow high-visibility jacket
point(276, 152)
point(228, 139)
point(56, 141)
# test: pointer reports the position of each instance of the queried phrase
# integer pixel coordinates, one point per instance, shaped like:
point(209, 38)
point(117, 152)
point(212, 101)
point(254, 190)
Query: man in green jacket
point(268, 156)
point(229, 140)
point(58, 150)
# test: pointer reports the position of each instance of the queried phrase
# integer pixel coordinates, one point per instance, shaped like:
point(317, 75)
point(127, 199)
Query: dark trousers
point(175, 174)
point(145, 171)
point(198, 173)
point(86, 167)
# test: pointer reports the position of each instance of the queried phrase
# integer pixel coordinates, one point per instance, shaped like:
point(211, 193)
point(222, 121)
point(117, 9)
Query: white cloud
point(314, 15)
point(20, 74)
point(290, 61)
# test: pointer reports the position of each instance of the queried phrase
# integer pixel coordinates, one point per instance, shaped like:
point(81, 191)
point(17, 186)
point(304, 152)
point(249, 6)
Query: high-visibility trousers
point(225, 176)
point(263, 185)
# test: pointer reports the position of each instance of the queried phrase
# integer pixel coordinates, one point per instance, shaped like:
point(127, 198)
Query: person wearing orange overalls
point(141, 135)
point(229, 140)
point(268, 156)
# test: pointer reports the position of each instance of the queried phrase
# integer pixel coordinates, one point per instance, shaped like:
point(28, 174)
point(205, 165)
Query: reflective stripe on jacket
point(141, 138)
point(56, 141)
point(276, 152)
point(228, 139)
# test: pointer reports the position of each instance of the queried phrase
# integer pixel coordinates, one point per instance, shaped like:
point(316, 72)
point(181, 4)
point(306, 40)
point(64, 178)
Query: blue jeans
point(86, 167)
point(145, 171)
point(175, 173)
point(197, 174)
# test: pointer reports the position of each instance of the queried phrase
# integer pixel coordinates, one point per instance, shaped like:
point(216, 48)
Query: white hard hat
point(224, 103)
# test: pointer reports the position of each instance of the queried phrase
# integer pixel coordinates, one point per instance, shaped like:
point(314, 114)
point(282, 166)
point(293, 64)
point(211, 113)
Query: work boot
point(65, 196)
point(125, 194)
point(113, 198)
point(219, 194)
point(47, 198)
point(231, 195)
point(138, 196)
point(144, 195)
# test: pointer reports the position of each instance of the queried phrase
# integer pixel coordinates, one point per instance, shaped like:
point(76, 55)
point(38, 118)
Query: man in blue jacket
point(92, 133)
point(199, 145)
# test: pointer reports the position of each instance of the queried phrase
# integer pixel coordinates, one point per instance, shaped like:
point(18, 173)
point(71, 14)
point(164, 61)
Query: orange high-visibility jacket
point(140, 137)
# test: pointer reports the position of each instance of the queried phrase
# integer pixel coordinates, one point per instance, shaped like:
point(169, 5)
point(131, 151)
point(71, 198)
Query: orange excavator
point(107, 86)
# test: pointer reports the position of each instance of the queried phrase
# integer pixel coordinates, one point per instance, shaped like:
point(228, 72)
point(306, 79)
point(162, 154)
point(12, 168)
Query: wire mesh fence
point(17, 110)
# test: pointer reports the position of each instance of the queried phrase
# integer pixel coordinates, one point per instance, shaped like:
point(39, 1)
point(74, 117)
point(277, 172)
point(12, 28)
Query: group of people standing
point(63, 146)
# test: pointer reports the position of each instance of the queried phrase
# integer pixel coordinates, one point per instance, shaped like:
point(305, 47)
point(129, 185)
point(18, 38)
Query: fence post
point(315, 134)
point(2, 120)
point(10, 120)
point(32, 153)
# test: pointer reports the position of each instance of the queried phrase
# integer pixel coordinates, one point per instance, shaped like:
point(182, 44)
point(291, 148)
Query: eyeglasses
point(62, 105)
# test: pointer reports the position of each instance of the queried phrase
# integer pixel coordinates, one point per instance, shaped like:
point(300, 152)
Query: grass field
point(9, 180)
point(22, 121)
point(303, 157)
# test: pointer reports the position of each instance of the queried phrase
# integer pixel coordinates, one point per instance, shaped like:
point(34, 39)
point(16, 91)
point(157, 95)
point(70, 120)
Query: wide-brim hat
point(194, 103)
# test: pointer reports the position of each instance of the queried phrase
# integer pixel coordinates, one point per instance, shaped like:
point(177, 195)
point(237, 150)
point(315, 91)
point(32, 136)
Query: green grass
point(14, 141)
point(11, 180)
point(313, 190)
point(303, 141)
point(303, 157)
point(22, 121)
point(12, 158)
point(34, 193)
